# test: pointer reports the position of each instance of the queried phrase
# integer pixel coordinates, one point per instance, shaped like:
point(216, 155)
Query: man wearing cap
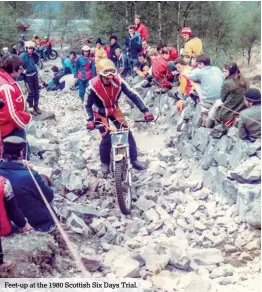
point(26, 193)
point(192, 43)
point(31, 58)
point(249, 124)
point(100, 52)
point(85, 70)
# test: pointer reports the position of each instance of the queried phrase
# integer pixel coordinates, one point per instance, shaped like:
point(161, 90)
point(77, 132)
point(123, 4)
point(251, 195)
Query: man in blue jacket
point(113, 46)
point(85, 70)
point(31, 58)
point(28, 198)
point(133, 46)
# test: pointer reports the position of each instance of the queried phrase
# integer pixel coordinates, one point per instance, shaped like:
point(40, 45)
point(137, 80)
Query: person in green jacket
point(231, 100)
point(249, 124)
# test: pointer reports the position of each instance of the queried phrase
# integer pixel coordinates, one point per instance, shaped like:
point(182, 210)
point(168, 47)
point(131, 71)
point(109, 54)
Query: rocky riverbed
point(188, 231)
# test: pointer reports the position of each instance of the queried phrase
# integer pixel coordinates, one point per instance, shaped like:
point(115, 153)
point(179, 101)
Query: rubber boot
point(139, 165)
point(105, 168)
point(37, 109)
point(32, 111)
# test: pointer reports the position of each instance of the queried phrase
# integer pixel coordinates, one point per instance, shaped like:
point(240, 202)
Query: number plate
point(119, 138)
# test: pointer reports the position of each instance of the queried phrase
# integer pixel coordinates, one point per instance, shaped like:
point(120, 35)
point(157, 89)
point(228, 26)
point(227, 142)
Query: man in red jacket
point(13, 118)
point(141, 28)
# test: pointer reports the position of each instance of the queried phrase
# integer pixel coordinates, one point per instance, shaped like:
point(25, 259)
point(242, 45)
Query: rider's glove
point(90, 125)
point(148, 116)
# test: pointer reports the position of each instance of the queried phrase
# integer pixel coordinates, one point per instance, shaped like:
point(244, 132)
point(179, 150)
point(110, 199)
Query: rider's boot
point(37, 109)
point(105, 168)
point(138, 165)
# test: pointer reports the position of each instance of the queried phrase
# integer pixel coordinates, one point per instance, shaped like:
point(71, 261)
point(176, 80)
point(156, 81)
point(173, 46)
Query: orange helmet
point(106, 67)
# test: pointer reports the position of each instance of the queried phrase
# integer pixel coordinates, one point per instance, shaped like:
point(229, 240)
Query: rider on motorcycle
point(47, 46)
point(102, 98)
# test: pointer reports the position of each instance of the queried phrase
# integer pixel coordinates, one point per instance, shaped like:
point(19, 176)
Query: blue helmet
point(46, 37)
point(35, 35)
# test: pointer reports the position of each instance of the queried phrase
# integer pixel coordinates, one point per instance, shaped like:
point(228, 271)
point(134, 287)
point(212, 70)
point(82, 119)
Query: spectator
point(26, 193)
point(142, 66)
point(249, 124)
point(231, 99)
point(13, 118)
point(192, 43)
point(210, 80)
point(113, 46)
point(5, 52)
point(122, 64)
point(100, 53)
point(21, 43)
point(160, 71)
point(9, 211)
point(186, 85)
point(145, 49)
point(67, 63)
point(85, 71)
point(13, 50)
point(133, 46)
point(55, 84)
point(141, 28)
point(107, 49)
point(30, 59)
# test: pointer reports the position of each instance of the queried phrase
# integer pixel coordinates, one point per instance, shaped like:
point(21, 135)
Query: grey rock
point(179, 260)
point(74, 179)
point(249, 204)
point(200, 139)
point(91, 261)
point(143, 204)
point(45, 115)
point(254, 245)
point(248, 172)
point(81, 209)
point(168, 154)
point(206, 257)
point(78, 225)
point(151, 215)
point(222, 271)
point(110, 236)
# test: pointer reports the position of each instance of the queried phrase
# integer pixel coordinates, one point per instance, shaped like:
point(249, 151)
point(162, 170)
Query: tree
point(49, 17)
point(249, 30)
point(8, 29)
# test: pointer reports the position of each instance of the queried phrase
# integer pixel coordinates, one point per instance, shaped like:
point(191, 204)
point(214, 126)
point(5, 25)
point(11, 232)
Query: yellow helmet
point(106, 67)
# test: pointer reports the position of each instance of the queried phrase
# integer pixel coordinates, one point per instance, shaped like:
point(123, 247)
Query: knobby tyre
point(53, 55)
point(123, 191)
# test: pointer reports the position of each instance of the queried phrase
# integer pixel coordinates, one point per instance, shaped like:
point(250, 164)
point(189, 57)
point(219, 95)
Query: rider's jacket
point(84, 68)
point(47, 44)
point(13, 114)
point(104, 99)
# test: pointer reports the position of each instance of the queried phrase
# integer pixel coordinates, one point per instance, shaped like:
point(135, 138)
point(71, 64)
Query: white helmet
point(86, 48)
point(29, 44)
point(5, 49)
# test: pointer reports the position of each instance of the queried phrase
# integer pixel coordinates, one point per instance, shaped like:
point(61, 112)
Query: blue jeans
point(82, 88)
